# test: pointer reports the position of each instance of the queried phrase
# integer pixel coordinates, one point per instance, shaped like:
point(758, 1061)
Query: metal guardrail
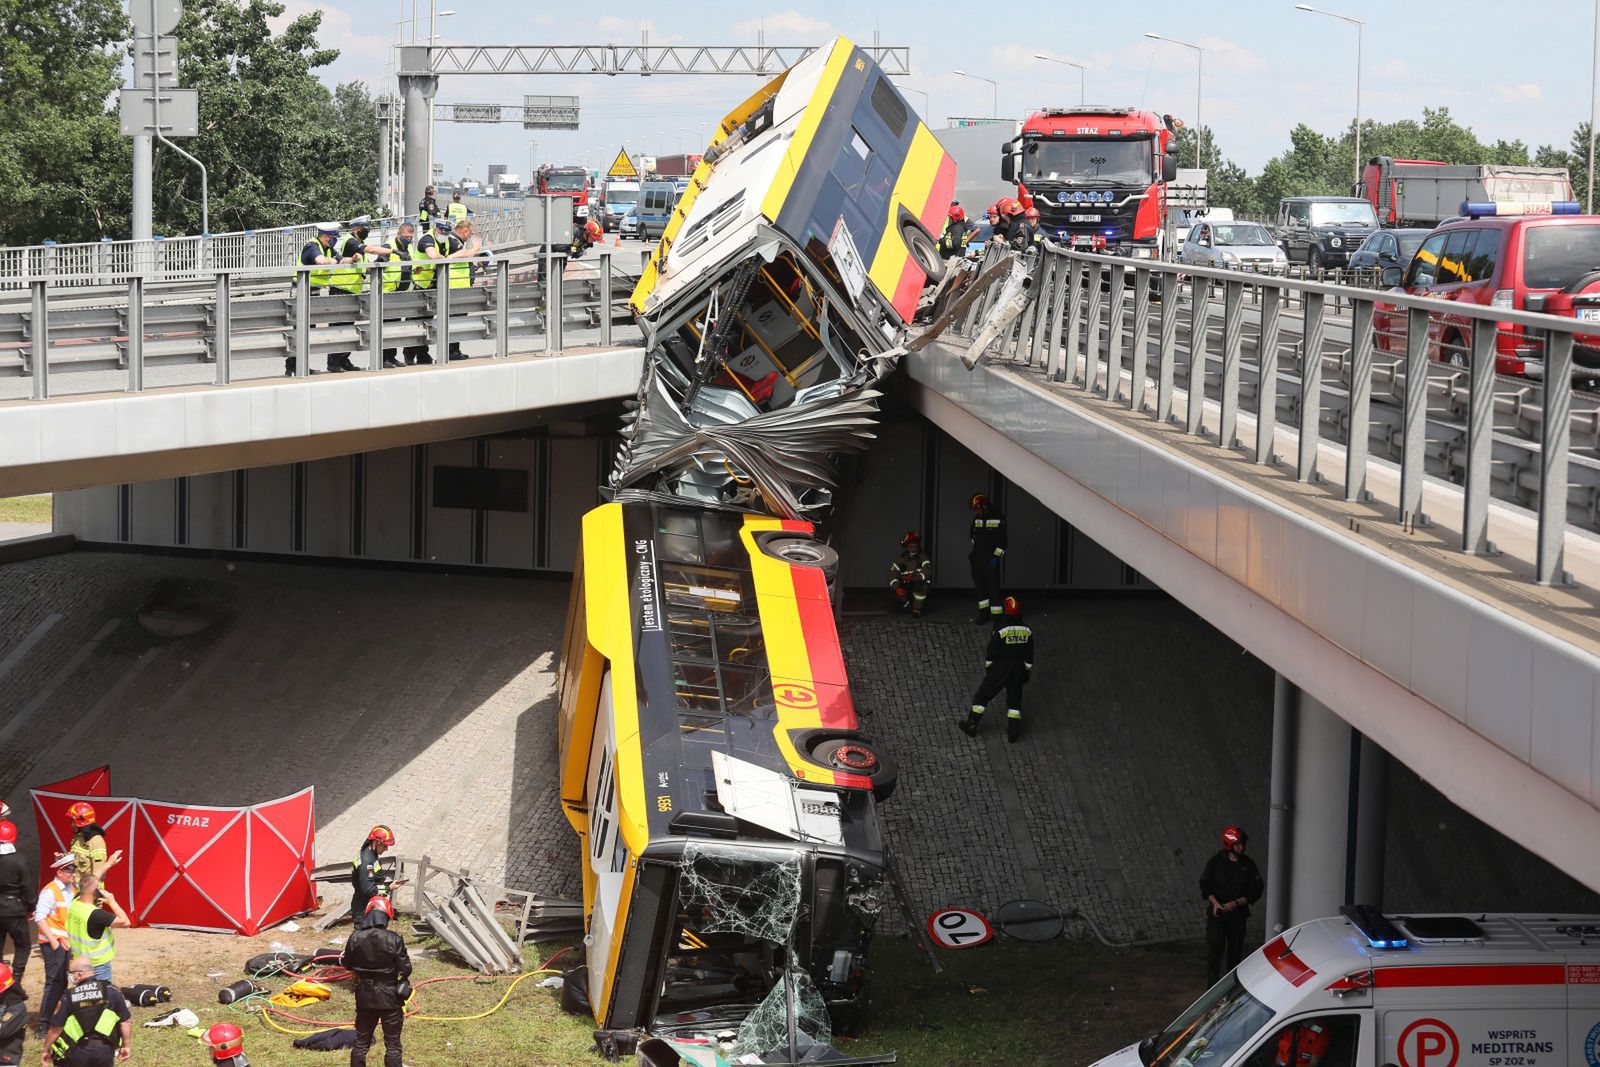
point(279, 315)
point(111, 262)
point(1078, 328)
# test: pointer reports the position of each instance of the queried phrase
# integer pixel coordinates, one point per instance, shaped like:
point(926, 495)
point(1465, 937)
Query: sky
point(1267, 66)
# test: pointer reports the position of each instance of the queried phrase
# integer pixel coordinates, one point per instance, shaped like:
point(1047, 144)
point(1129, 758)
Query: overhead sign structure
point(622, 166)
point(154, 16)
point(477, 113)
point(959, 928)
point(180, 112)
point(549, 112)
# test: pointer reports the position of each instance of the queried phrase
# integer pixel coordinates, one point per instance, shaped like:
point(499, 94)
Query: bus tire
point(924, 250)
point(804, 552)
point(854, 756)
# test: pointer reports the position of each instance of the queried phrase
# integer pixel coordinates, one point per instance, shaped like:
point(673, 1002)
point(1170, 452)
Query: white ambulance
point(1366, 990)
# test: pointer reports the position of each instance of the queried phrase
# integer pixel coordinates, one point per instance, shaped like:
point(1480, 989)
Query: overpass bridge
point(1438, 606)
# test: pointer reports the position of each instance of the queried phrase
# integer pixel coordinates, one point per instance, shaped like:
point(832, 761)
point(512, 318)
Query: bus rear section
point(714, 771)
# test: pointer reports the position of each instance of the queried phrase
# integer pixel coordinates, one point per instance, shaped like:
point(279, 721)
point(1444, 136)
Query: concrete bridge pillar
point(1325, 843)
point(417, 87)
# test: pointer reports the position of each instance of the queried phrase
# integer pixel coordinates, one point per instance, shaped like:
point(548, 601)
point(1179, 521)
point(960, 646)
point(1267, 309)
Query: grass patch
point(25, 508)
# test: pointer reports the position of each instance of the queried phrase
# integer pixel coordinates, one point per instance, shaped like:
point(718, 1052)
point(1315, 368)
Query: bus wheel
point(923, 250)
point(806, 553)
point(854, 757)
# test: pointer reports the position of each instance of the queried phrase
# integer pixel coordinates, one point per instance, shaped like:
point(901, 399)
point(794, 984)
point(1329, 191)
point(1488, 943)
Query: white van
point(1365, 990)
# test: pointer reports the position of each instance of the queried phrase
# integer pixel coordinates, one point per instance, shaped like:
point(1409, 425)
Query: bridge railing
point(1410, 379)
point(241, 324)
point(108, 262)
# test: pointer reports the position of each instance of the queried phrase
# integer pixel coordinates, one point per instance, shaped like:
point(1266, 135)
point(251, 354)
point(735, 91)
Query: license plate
point(1083, 218)
point(1589, 314)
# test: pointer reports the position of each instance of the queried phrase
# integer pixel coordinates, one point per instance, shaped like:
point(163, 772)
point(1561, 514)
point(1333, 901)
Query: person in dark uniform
point(1028, 233)
point(911, 575)
point(428, 208)
point(396, 260)
point(1229, 885)
point(953, 239)
point(371, 878)
point(450, 241)
point(13, 1018)
point(16, 899)
point(357, 250)
point(377, 957)
point(320, 251)
point(92, 1026)
point(1007, 664)
point(988, 548)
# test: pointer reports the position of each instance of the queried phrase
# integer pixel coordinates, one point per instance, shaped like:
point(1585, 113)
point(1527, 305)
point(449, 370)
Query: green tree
point(63, 162)
point(280, 148)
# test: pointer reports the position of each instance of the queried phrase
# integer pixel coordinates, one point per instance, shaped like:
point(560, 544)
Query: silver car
point(629, 226)
point(1236, 245)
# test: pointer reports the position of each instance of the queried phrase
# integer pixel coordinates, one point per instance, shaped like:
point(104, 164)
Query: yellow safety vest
point(456, 210)
point(458, 271)
point(320, 276)
point(100, 950)
point(421, 268)
point(349, 277)
point(55, 924)
point(395, 267)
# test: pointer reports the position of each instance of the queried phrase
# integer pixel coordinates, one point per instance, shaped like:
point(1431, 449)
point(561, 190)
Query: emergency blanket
point(193, 867)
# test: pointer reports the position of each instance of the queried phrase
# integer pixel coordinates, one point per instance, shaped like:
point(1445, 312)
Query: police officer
point(371, 877)
point(457, 210)
point(321, 251)
point(1007, 664)
point(377, 957)
point(13, 1018)
point(92, 1027)
point(988, 549)
point(428, 208)
point(450, 241)
point(911, 575)
point(1229, 885)
point(396, 260)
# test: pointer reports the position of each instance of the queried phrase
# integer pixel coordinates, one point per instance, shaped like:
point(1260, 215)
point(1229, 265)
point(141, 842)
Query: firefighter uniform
point(910, 578)
point(370, 877)
point(988, 548)
point(1008, 662)
point(13, 1025)
point(1228, 876)
point(377, 957)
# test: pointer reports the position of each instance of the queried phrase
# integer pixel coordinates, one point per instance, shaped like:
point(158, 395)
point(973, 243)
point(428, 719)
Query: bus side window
point(1313, 1041)
point(851, 167)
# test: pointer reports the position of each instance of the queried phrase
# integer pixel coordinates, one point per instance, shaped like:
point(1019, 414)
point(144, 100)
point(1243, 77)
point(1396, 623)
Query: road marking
point(58, 679)
point(15, 655)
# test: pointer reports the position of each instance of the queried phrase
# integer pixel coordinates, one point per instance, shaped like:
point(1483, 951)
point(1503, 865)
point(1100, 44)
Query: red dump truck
point(1425, 192)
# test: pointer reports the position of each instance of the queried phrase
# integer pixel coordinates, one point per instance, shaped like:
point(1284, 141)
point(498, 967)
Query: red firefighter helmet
point(1013, 606)
point(383, 904)
point(978, 502)
point(1031, 213)
point(958, 213)
point(8, 832)
point(226, 1041)
point(82, 814)
point(911, 538)
point(381, 835)
point(7, 979)
point(1011, 206)
point(1233, 835)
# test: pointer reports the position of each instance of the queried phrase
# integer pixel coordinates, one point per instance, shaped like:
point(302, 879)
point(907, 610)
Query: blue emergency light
point(1380, 932)
point(1481, 209)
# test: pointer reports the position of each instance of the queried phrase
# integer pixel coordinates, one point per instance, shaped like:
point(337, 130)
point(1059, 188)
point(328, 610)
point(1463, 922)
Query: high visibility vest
point(395, 270)
point(456, 210)
point(88, 1014)
point(55, 924)
point(421, 268)
point(100, 950)
point(459, 272)
point(320, 275)
point(349, 277)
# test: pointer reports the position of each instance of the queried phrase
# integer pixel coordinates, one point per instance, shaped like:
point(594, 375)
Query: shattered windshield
point(1088, 162)
point(1213, 1029)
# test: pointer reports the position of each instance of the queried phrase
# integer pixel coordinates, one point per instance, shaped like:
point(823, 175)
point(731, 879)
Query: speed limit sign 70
point(958, 928)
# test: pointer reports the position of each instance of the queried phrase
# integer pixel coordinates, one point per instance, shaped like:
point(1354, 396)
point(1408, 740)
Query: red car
point(1546, 262)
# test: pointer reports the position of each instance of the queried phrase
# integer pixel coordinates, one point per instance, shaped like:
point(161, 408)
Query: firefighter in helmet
point(1029, 231)
point(911, 575)
point(372, 877)
point(1229, 885)
point(377, 956)
point(1007, 664)
point(13, 1017)
point(953, 240)
point(988, 549)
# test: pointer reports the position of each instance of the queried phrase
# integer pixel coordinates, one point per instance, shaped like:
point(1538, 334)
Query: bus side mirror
point(1008, 167)
point(1169, 167)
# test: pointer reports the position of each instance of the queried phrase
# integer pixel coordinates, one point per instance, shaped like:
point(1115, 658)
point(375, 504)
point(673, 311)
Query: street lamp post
point(1199, 81)
point(1082, 85)
point(1360, 29)
point(994, 111)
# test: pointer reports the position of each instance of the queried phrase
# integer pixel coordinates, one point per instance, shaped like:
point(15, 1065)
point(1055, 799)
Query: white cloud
point(785, 27)
point(1512, 94)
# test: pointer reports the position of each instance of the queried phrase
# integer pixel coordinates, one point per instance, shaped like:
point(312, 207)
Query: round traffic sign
point(959, 928)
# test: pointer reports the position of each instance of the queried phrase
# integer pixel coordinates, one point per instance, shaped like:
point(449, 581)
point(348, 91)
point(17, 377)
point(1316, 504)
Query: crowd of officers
point(432, 254)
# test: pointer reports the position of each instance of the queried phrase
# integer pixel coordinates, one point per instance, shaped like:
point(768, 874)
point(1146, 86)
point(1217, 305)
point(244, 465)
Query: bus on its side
point(713, 767)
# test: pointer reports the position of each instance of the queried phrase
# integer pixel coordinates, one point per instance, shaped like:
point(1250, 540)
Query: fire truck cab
point(1368, 990)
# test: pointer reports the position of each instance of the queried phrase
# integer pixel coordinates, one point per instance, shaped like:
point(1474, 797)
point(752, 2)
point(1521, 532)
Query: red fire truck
point(566, 181)
point(1098, 176)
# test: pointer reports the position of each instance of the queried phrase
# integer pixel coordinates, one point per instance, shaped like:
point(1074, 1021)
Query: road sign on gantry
point(622, 166)
point(549, 112)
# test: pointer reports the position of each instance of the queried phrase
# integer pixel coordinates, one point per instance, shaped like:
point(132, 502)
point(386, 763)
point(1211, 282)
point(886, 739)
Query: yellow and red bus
point(713, 766)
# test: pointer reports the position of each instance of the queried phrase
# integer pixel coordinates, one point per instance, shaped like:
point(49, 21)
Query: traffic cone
point(616, 241)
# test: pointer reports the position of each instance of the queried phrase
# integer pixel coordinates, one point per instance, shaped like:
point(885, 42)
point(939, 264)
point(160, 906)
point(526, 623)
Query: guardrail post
point(39, 339)
point(502, 305)
point(1078, 284)
point(1166, 346)
point(375, 296)
point(1232, 350)
point(1114, 331)
point(1199, 338)
point(644, 260)
point(135, 334)
point(1064, 270)
point(1038, 310)
point(555, 298)
point(1414, 419)
point(441, 317)
point(222, 330)
point(1091, 332)
point(1270, 298)
point(1358, 411)
point(301, 342)
point(1312, 306)
point(1554, 445)
point(1139, 356)
point(1480, 439)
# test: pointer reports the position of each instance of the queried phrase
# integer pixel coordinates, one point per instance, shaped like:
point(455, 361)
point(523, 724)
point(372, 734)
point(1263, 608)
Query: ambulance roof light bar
point(1375, 927)
point(1480, 209)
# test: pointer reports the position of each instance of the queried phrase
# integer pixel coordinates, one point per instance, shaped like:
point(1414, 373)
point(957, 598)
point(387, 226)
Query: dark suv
point(1322, 231)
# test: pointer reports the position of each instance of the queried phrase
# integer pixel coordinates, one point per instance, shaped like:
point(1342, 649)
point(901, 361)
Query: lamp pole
point(1199, 85)
point(1082, 84)
point(434, 15)
point(1360, 32)
point(994, 111)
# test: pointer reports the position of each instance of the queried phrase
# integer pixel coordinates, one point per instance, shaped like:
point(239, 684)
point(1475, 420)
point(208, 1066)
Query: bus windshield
point(1213, 1029)
point(1119, 162)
